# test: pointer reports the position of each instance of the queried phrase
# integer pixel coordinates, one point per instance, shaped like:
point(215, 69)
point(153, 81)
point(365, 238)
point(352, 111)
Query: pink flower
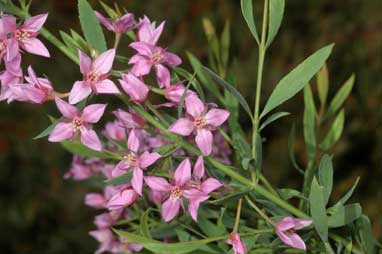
point(105, 237)
point(135, 162)
point(177, 190)
point(103, 221)
point(238, 246)
point(200, 121)
point(130, 120)
point(26, 35)
point(175, 92)
point(134, 87)
point(95, 73)
point(147, 32)
point(75, 123)
point(10, 91)
point(115, 131)
point(79, 170)
point(207, 186)
point(153, 56)
point(37, 90)
point(123, 198)
point(285, 229)
point(119, 25)
point(9, 49)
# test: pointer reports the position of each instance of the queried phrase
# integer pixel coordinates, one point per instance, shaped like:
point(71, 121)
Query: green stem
point(238, 212)
point(117, 40)
point(261, 213)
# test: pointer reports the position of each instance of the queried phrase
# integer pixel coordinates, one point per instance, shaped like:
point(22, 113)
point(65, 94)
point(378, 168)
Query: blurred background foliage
point(40, 212)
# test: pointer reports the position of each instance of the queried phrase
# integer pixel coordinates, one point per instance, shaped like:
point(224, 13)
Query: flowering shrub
point(181, 176)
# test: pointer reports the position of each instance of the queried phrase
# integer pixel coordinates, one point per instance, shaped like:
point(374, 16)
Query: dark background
point(40, 212)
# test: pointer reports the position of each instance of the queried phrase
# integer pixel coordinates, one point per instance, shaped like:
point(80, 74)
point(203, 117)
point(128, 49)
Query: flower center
point(22, 35)
point(77, 123)
point(157, 57)
point(176, 192)
point(289, 231)
point(131, 159)
point(93, 76)
point(200, 122)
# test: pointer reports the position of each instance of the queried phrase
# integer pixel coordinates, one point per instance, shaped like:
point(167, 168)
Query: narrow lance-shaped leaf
point(78, 148)
point(317, 209)
point(341, 96)
point(231, 89)
point(325, 176)
point(276, 12)
point(91, 27)
point(144, 227)
point(309, 125)
point(366, 234)
point(334, 132)
point(348, 195)
point(323, 84)
point(292, 83)
point(344, 215)
point(247, 10)
point(48, 130)
point(291, 141)
point(273, 118)
point(225, 44)
point(122, 179)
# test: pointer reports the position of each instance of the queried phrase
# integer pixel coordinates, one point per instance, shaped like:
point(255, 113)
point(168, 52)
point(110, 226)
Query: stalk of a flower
point(260, 212)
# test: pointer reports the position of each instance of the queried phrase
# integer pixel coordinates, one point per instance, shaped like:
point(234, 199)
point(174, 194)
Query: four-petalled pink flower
point(118, 25)
point(285, 229)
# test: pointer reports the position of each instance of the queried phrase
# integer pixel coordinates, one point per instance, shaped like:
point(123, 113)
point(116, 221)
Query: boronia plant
point(181, 176)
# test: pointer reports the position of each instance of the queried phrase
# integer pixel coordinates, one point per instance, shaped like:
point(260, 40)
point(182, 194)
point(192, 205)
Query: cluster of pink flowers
point(188, 186)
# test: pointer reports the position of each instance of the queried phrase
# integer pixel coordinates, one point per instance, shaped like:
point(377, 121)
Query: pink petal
point(147, 159)
point(134, 87)
point(170, 209)
point(292, 239)
point(156, 33)
point(142, 48)
point(104, 21)
point(199, 170)
point(194, 106)
point(61, 131)
point(182, 126)
point(14, 66)
point(7, 25)
point(183, 173)
point(93, 113)
point(204, 141)
point(163, 75)
point(172, 59)
point(104, 62)
point(157, 183)
point(142, 66)
point(95, 200)
point(106, 86)
point(286, 223)
point(12, 49)
point(133, 141)
point(122, 199)
point(216, 117)
point(80, 91)
point(137, 180)
point(90, 139)
point(210, 185)
point(85, 62)
point(301, 223)
point(32, 76)
point(193, 207)
point(35, 46)
point(67, 110)
point(34, 23)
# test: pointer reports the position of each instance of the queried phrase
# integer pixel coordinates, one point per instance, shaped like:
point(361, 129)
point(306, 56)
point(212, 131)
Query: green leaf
point(366, 234)
point(325, 176)
point(169, 248)
point(225, 44)
point(229, 88)
point(109, 11)
point(78, 148)
point(190, 77)
point(79, 39)
point(69, 42)
point(273, 118)
point(323, 84)
point(235, 195)
point(91, 27)
point(287, 194)
point(47, 131)
point(344, 215)
point(209, 228)
point(144, 227)
point(317, 210)
point(247, 10)
point(167, 150)
point(291, 141)
point(276, 12)
point(292, 83)
point(346, 197)
point(309, 125)
point(181, 102)
point(341, 96)
point(334, 132)
point(122, 179)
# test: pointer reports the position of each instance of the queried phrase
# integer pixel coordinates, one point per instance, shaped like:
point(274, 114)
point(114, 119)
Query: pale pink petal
point(104, 62)
point(182, 126)
point(134, 87)
point(133, 141)
point(35, 46)
point(141, 68)
point(210, 185)
point(104, 21)
point(301, 223)
point(93, 113)
point(292, 239)
point(33, 24)
point(14, 66)
point(157, 183)
point(137, 180)
point(95, 200)
point(32, 76)
point(183, 173)
point(13, 49)
point(286, 223)
point(85, 62)
point(199, 170)
point(80, 91)
point(61, 131)
point(204, 141)
point(193, 207)
point(90, 139)
point(194, 106)
point(67, 110)
point(170, 209)
point(163, 75)
point(172, 59)
point(106, 86)
point(142, 48)
point(122, 199)
point(147, 159)
point(156, 33)
point(7, 25)
point(216, 117)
